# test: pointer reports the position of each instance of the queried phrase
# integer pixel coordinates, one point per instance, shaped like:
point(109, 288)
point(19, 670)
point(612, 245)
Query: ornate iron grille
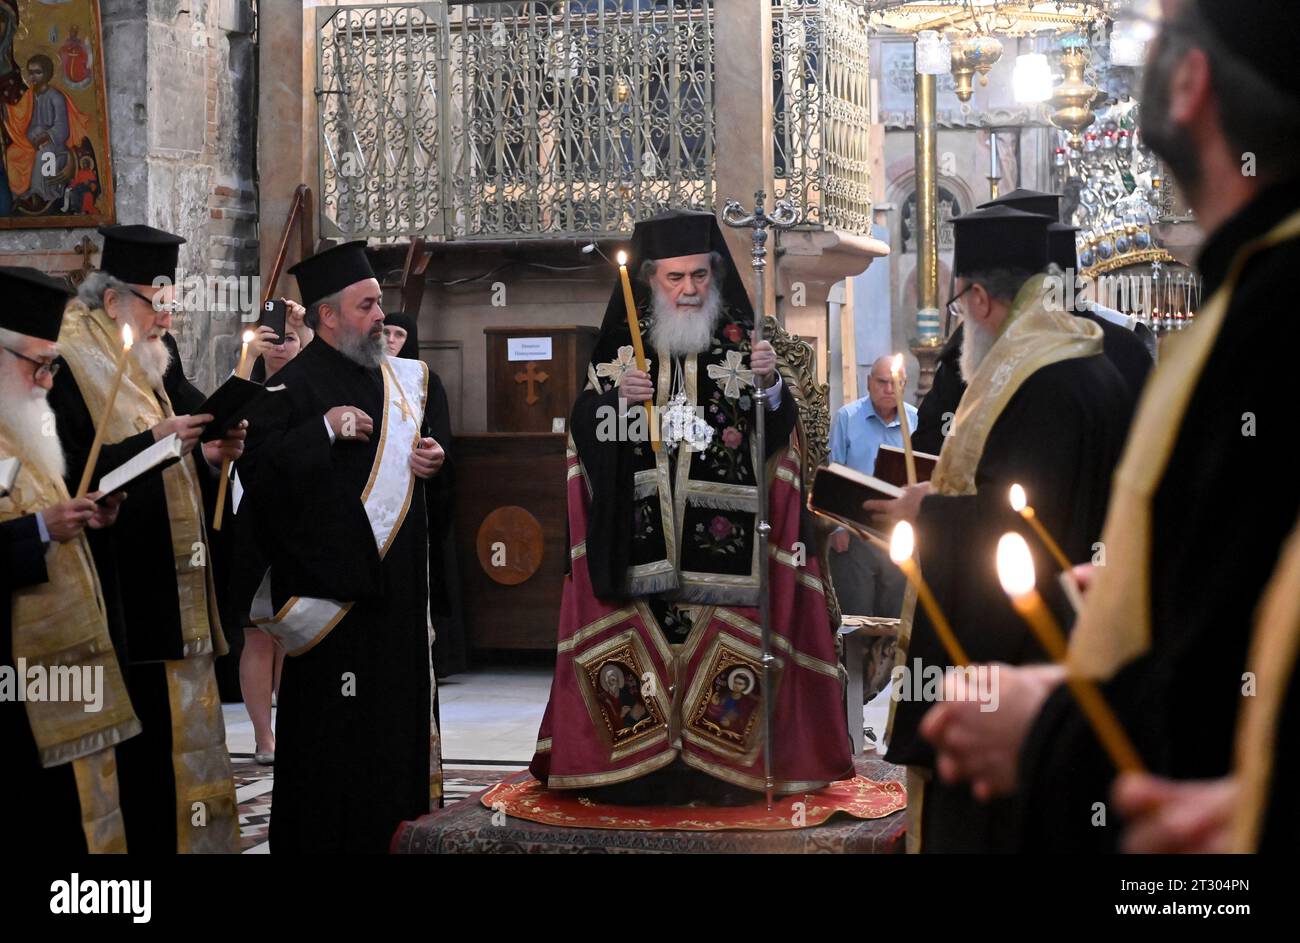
point(822, 111)
point(568, 118)
point(378, 75)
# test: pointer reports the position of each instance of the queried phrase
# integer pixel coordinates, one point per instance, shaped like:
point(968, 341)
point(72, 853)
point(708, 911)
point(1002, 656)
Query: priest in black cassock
point(59, 747)
point(1202, 506)
point(335, 473)
point(1121, 344)
point(154, 566)
point(1043, 408)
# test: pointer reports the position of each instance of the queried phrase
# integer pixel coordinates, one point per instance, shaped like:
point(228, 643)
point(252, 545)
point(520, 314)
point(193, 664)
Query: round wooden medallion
point(509, 545)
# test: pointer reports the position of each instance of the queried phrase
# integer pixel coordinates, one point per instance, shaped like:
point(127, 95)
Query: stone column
point(742, 36)
point(282, 127)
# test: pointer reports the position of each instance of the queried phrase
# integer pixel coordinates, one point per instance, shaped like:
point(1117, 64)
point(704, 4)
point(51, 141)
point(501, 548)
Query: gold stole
point(60, 625)
point(1034, 337)
point(1273, 652)
point(1115, 624)
point(91, 343)
point(206, 815)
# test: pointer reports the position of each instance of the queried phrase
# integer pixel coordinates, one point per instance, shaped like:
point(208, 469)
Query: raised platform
point(468, 828)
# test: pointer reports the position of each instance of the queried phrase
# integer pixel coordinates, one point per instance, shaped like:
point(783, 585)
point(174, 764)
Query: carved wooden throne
point(866, 644)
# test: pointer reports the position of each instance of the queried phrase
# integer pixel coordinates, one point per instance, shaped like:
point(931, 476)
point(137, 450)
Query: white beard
point(154, 358)
point(26, 420)
point(976, 343)
point(368, 350)
point(678, 330)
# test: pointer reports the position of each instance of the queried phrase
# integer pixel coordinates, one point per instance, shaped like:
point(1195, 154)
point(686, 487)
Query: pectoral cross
point(531, 375)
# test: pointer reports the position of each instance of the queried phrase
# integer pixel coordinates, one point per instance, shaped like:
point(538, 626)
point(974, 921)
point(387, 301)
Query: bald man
point(867, 583)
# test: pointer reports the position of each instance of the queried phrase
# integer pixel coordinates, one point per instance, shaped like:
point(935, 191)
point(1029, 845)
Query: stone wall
point(181, 93)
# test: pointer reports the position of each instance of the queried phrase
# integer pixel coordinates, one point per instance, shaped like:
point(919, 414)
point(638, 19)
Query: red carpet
point(523, 797)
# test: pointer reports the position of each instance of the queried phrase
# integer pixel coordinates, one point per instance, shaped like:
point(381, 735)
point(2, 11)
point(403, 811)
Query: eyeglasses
point(44, 368)
point(170, 307)
point(953, 310)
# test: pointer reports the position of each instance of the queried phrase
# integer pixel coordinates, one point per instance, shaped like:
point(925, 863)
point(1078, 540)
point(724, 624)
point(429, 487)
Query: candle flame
point(1018, 500)
point(1015, 565)
point(902, 543)
point(622, 258)
point(896, 365)
point(128, 337)
point(248, 337)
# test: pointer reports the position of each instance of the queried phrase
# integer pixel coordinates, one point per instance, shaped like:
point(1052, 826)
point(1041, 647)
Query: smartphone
point(273, 316)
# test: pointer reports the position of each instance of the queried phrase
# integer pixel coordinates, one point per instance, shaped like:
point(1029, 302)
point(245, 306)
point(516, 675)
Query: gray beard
point(154, 358)
point(25, 419)
point(676, 331)
point(364, 349)
point(976, 343)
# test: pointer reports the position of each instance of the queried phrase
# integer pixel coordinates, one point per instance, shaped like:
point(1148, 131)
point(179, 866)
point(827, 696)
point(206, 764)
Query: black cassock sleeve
point(439, 495)
point(315, 534)
point(185, 396)
point(1044, 442)
point(77, 433)
point(22, 554)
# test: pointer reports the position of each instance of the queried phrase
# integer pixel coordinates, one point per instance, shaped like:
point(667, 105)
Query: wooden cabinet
point(511, 470)
point(534, 374)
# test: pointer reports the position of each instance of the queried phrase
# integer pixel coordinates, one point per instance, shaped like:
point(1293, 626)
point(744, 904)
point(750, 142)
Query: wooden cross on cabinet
point(532, 376)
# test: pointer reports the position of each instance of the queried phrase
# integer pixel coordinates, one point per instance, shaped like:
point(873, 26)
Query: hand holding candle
point(634, 326)
point(93, 458)
point(1016, 572)
point(242, 371)
point(901, 545)
point(896, 370)
point(1020, 504)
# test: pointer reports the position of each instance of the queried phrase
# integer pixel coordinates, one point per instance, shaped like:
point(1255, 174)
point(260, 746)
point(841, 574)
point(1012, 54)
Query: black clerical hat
point(138, 255)
point(1061, 245)
point(676, 233)
point(1262, 33)
point(33, 302)
point(999, 238)
point(331, 271)
point(1029, 201)
point(668, 235)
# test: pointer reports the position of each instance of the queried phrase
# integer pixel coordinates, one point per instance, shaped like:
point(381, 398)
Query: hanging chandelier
point(1006, 17)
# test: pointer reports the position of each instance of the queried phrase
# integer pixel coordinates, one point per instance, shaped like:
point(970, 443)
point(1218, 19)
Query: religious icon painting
point(621, 688)
point(726, 700)
point(56, 171)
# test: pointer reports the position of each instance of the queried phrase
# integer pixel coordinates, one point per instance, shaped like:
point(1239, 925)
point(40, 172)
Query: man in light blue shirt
point(866, 581)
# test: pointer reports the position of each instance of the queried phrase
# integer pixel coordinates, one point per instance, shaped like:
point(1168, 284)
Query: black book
point(838, 492)
point(227, 406)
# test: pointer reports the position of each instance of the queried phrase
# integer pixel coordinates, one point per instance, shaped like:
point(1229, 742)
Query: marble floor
point(488, 715)
point(489, 723)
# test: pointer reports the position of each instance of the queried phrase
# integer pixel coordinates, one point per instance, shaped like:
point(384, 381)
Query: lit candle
point(242, 371)
point(98, 443)
point(1021, 506)
point(634, 326)
point(896, 369)
point(901, 545)
point(1016, 572)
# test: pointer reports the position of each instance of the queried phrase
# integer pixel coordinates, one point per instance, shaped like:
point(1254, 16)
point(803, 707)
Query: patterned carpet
point(253, 786)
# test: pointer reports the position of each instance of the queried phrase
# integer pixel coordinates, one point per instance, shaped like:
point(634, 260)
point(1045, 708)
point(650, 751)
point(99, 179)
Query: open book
point(891, 465)
point(163, 452)
point(838, 492)
point(8, 474)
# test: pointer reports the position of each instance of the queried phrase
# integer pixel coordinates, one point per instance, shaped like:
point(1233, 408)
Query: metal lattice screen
point(553, 118)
